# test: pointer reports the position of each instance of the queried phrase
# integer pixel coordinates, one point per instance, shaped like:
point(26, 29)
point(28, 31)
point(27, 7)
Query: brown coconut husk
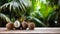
point(10, 26)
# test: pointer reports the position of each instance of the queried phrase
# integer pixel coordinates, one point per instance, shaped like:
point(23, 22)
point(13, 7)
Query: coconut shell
point(10, 26)
point(24, 25)
point(31, 26)
point(17, 24)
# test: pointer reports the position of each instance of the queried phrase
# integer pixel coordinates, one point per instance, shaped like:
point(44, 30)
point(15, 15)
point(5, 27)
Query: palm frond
point(16, 8)
point(37, 20)
point(4, 17)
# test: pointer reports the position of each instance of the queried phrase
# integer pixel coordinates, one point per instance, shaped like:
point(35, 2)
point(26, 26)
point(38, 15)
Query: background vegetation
point(44, 13)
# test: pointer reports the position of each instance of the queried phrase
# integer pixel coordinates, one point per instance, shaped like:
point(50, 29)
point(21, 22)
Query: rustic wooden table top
point(36, 30)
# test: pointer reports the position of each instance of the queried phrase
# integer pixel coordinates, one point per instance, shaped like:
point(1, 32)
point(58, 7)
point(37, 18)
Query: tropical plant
point(16, 8)
point(4, 1)
point(3, 20)
point(42, 12)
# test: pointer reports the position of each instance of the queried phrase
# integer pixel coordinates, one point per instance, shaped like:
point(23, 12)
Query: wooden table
point(37, 30)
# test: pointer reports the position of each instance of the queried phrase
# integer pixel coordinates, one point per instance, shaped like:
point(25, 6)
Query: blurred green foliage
point(41, 12)
point(4, 1)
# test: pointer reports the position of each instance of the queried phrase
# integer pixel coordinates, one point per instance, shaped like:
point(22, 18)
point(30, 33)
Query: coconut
point(17, 24)
point(24, 25)
point(31, 26)
point(9, 26)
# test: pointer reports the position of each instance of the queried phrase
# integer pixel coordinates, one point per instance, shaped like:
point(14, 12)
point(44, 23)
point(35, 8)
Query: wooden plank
point(36, 30)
